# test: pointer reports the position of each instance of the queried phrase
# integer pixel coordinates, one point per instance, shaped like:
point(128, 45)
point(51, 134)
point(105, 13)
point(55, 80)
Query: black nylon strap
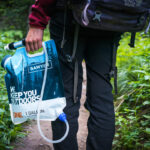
point(115, 81)
point(75, 43)
point(132, 41)
point(114, 55)
point(75, 98)
point(64, 30)
point(73, 57)
point(113, 72)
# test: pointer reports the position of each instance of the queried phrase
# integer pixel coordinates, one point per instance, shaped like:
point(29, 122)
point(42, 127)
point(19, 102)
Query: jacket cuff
point(38, 17)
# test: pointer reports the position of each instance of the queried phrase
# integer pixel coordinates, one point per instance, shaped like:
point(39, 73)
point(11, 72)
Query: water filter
point(34, 86)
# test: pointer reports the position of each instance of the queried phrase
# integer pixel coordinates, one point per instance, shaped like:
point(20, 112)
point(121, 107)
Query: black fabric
point(95, 47)
point(132, 40)
point(113, 15)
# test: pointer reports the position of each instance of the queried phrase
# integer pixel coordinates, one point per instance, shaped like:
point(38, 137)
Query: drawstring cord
point(84, 17)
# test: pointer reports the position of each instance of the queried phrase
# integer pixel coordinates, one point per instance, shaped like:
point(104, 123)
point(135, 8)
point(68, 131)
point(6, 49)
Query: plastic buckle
point(69, 59)
point(76, 99)
point(112, 72)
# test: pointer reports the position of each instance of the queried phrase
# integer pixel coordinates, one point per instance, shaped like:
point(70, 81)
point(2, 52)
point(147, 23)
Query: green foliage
point(14, 14)
point(133, 102)
point(8, 131)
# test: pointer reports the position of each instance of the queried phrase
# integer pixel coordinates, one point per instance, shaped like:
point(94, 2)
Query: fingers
point(40, 43)
point(34, 39)
point(33, 44)
point(29, 45)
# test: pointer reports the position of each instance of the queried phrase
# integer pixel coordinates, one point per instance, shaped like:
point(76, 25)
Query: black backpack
point(113, 15)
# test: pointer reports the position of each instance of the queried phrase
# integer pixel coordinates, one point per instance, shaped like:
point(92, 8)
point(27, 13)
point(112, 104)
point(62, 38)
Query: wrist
point(36, 27)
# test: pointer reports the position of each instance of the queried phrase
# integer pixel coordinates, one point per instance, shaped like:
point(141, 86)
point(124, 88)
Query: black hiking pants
point(95, 47)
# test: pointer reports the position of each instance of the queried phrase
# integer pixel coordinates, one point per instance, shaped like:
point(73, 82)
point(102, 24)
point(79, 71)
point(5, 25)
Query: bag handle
point(22, 43)
point(15, 45)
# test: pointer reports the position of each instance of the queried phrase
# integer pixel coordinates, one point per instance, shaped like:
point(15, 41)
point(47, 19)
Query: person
point(96, 48)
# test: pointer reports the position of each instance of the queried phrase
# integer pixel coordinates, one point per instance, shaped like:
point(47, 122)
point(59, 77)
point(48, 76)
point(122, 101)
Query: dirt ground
point(33, 141)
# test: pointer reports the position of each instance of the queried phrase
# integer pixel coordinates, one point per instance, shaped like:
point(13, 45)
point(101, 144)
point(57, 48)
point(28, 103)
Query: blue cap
point(62, 117)
point(4, 59)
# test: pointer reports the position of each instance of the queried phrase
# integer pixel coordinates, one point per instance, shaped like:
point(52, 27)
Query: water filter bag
point(24, 80)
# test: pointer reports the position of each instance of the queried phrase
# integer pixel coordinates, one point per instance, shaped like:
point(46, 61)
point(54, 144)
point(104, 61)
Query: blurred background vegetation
point(132, 104)
point(14, 13)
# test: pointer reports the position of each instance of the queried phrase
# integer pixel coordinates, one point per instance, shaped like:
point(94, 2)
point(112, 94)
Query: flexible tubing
point(41, 97)
point(54, 141)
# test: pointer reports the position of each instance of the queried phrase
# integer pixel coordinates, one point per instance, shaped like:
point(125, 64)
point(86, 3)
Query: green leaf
point(147, 77)
point(2, 110)
point(139, 71)
point(148, 130)
point(147, 145)
point(146, 103)
point(146, 116)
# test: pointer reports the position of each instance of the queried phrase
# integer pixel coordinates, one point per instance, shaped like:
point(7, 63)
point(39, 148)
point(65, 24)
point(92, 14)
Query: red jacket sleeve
point(41, 12)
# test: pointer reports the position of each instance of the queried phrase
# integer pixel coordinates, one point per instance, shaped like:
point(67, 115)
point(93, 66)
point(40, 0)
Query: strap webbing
point(113, 72)
point(75, 98)
point(73, 57)
point(64, 30)
point(132, 41)
point(115, 67)
point(75, 43)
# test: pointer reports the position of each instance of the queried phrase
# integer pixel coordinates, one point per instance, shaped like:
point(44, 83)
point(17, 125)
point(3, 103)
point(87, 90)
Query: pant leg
point(101, 123)
point(67, 69)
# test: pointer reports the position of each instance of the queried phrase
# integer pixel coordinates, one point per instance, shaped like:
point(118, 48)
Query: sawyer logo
point(97, 16)
point(133, 3)
point(24, 97)
point(39, 67)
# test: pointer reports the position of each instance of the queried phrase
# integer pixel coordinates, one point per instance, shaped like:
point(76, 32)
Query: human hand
point(34, 39)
